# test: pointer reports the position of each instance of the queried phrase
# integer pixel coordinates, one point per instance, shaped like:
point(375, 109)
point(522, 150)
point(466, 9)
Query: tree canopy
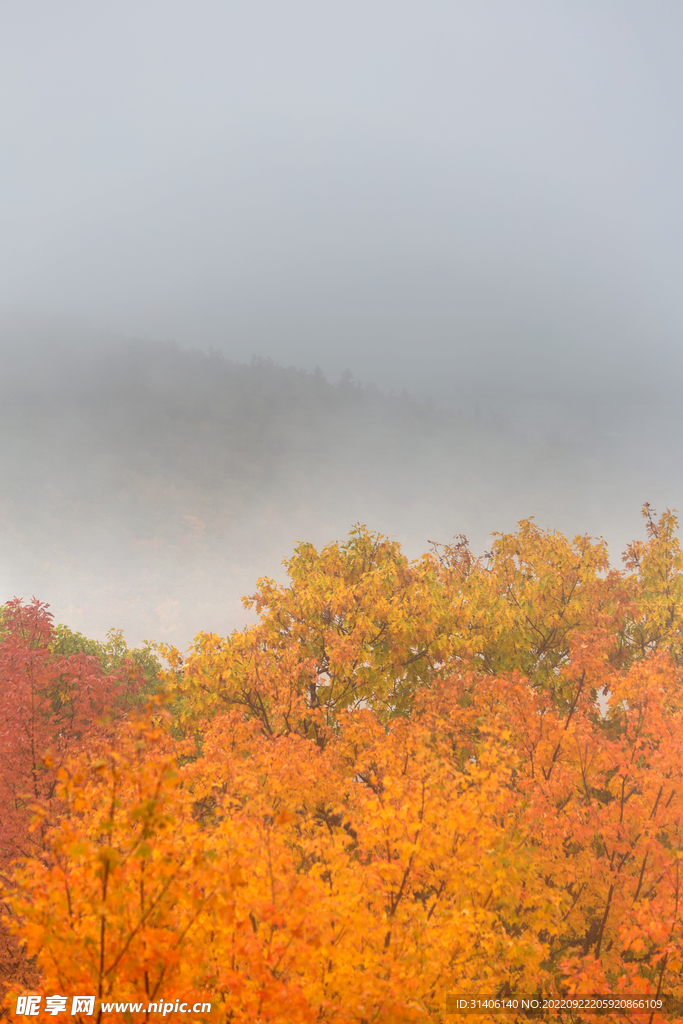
point(409, 779)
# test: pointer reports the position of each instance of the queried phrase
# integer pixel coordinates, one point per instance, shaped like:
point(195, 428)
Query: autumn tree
point(359, 625)
point(50, 705)
point(400, 783)
point(53, 704)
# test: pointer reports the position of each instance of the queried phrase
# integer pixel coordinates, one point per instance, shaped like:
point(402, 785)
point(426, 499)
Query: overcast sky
point(447, 196)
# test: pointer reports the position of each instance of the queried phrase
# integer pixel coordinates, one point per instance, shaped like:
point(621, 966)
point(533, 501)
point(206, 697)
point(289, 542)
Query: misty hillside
point(147, 487)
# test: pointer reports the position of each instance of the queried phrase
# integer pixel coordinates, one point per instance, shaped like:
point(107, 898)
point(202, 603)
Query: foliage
point(400, 783)
point(656, 579)
point(53, 703)
point(140, 665)
point(57, 689)
point(361, 626)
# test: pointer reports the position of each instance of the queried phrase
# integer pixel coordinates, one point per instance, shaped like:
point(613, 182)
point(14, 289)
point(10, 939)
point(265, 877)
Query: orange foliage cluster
point(408, 779)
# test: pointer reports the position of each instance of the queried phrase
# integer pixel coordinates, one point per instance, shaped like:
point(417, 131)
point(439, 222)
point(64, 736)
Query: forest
point(408, 780)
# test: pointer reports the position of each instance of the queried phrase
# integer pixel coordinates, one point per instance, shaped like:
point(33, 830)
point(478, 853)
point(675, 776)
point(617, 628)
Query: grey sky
point(439, 195)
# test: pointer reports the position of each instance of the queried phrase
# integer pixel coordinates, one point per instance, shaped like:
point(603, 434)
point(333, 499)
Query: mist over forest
point(146, 486)
point(270, 270)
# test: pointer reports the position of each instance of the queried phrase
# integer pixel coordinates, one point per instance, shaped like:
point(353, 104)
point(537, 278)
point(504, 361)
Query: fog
point(476, 202)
